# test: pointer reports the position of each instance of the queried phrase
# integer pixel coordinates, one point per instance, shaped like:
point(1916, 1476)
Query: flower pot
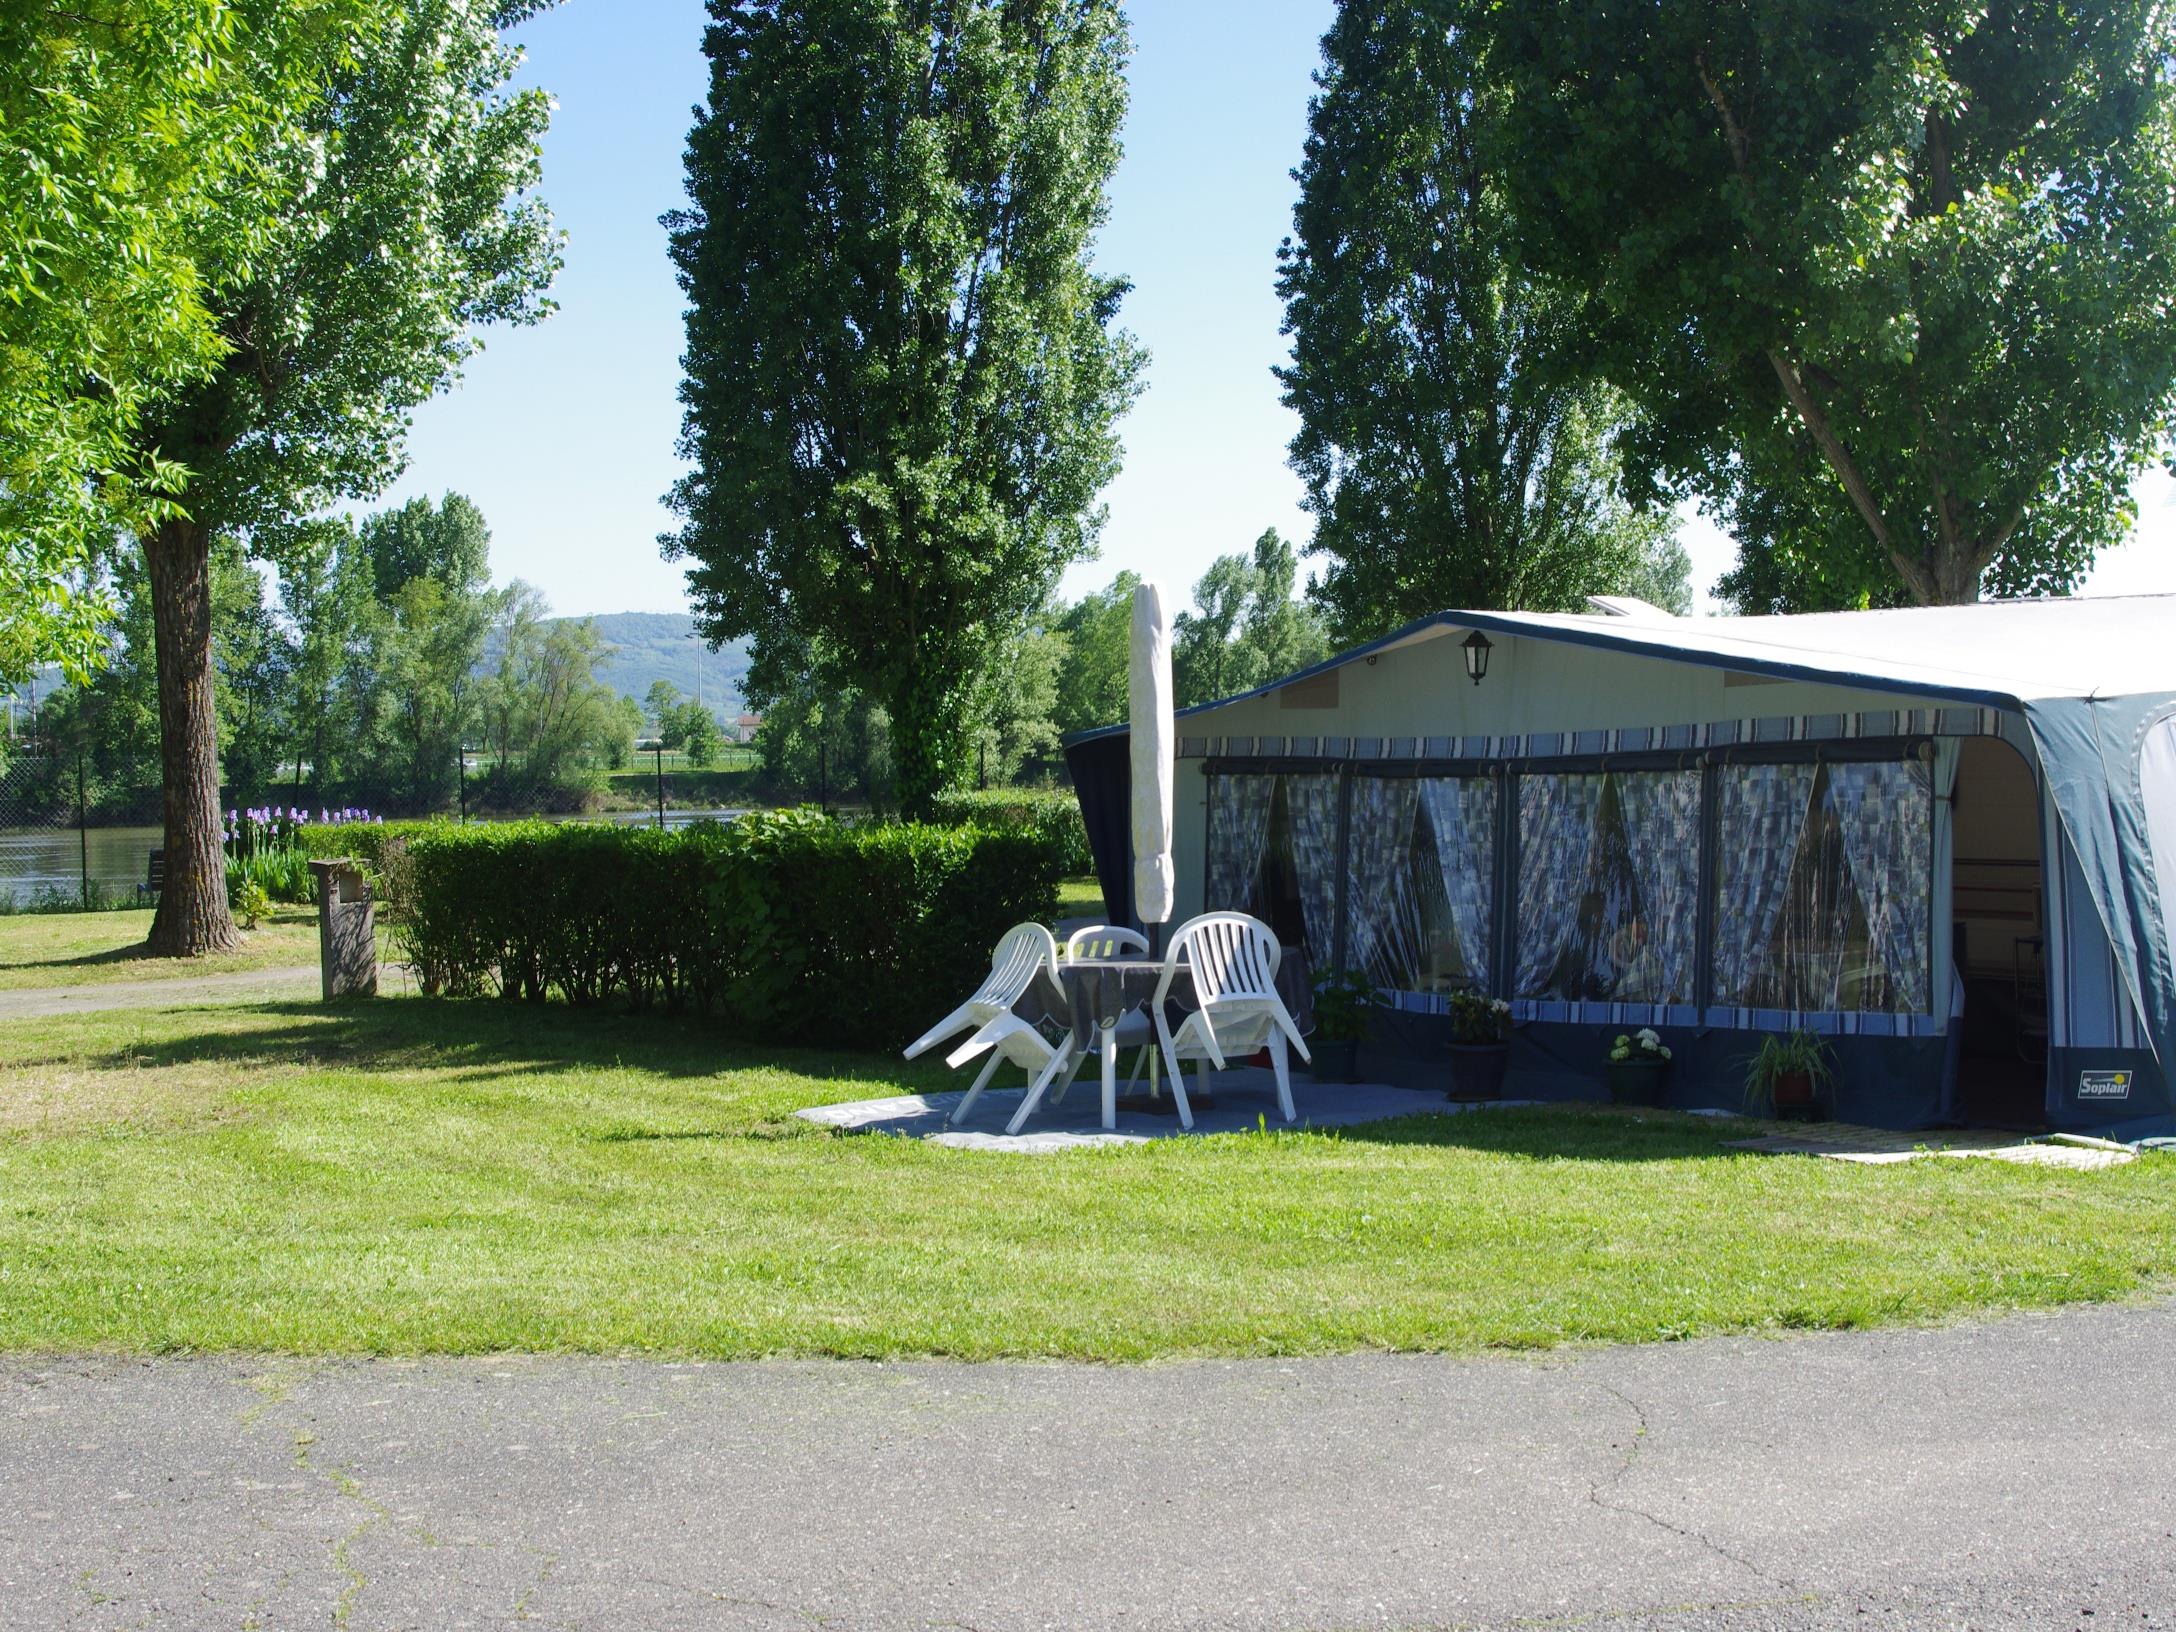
point(1637, 1082)
point(1336, 1059)
point(1795, 1097)
point(1477, 1071)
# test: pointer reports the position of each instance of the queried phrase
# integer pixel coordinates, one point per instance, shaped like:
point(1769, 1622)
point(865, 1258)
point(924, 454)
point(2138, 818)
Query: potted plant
point(1343, 1000)
point(1639, 1064)
point(1480, 1046)
point(1785, 1076)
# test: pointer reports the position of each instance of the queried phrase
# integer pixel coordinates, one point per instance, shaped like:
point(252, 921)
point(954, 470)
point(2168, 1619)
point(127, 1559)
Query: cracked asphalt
point(2020, 1473)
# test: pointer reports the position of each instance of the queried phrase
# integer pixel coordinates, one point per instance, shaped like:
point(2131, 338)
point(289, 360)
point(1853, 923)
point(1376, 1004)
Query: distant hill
point(645, 647)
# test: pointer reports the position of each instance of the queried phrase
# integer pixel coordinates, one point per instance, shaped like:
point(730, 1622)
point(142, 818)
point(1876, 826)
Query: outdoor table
point(1100, 992)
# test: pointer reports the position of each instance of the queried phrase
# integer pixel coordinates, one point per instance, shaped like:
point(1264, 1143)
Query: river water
point(37, 862)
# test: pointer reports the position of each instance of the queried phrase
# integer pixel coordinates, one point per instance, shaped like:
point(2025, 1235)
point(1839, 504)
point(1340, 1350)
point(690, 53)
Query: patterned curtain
point(1556, 859)
point(1761, 818)
point(1462, 812)
point(1382, 844)
point(1310, 803)
point(1238, 830)
point(1662, 827)
point(1885, 812)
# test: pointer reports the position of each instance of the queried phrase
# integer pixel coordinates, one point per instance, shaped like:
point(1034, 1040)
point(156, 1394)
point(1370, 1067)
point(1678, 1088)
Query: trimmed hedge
point(790, 927)
point(1052, 812)
point(382, 848)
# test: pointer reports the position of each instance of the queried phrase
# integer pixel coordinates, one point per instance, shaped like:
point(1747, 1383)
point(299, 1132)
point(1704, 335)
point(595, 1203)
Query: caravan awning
point(2091, 677)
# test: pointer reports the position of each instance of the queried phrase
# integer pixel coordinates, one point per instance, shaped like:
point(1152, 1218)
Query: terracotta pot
point(1794, 1094)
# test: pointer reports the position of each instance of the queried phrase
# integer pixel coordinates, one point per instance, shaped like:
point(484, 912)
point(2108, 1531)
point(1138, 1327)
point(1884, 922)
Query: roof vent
point(1629, 606)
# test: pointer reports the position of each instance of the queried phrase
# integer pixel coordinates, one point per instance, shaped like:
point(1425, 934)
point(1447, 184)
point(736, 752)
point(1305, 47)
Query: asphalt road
point(2016, 1474)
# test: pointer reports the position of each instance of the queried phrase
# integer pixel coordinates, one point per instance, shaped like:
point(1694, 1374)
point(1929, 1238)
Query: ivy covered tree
point(408, 224)
point(1889, 282)
point(141, 147)
point(1455, 450)
point(902, 371)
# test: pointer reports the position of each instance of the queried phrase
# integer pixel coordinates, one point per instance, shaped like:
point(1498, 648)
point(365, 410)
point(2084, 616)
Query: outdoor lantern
point(1478, 646)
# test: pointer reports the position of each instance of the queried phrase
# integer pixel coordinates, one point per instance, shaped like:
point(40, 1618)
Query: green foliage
point(1098, 629)
point(142, 171)
point(903, 374)
point(1051, 813)
point(1887, 283)
point(786, 926)
point(1455, 451)
point(449, 544)
point(1246, 628)
point(273, 874)
point(1802, 1053)
point(541, 712)
point(700, 738)
point(114, 718)
point(823, 734)
point(1477, 1018)
point(413, 223)
point(1344, 999)
point(1014, 712)
point(382, 848)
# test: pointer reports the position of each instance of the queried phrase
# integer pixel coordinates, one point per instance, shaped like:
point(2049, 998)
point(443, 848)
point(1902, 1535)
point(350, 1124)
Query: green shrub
point(788, 926)
point(1052, 812)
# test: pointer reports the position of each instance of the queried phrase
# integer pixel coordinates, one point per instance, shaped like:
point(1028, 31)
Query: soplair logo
point(2104, 1085)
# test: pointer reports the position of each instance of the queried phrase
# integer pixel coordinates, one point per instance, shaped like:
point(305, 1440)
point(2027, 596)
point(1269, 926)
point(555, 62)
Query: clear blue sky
point(564, 433)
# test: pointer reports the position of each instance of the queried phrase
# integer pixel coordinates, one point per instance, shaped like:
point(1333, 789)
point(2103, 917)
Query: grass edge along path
point(410, 1177)
point(42, 950)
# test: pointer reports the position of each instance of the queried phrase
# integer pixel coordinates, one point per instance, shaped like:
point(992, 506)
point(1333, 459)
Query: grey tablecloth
point(1094, 992)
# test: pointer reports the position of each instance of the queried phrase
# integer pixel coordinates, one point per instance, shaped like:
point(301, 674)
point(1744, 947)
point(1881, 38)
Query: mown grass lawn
point(93, 948)
point(410, 1176)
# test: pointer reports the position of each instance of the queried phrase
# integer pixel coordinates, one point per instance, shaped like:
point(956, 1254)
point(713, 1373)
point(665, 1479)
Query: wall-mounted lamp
point(1477, 646)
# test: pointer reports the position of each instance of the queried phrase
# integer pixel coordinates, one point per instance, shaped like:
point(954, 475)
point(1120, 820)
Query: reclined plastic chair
point(1022, 953)
point(1234, 962)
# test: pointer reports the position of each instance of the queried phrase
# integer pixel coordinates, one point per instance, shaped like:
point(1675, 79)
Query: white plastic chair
point(1019, 956)
point(1022, 952)
point(1234, 961)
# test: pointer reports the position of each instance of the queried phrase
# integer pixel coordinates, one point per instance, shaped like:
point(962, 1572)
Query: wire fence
point(51, 857)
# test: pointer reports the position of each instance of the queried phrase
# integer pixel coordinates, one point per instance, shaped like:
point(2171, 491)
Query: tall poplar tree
point(903, 371)
point(407, 226)
point(1455, 450)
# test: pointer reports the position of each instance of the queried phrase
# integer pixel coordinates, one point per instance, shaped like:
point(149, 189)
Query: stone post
point(347, 931)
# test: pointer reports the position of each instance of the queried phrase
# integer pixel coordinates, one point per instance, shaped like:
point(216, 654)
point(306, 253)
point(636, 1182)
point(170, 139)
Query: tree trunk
point(192, 918)
point(1956, 576)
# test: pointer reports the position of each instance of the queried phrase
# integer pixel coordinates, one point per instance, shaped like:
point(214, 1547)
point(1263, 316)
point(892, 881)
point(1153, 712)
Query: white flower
point(1651, 1039)
point(1665, 1053)
point(1500, 1006)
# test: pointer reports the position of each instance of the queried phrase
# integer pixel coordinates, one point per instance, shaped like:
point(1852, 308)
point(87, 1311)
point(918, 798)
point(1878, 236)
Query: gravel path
point(33, 1001)
point(2020, 1473)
